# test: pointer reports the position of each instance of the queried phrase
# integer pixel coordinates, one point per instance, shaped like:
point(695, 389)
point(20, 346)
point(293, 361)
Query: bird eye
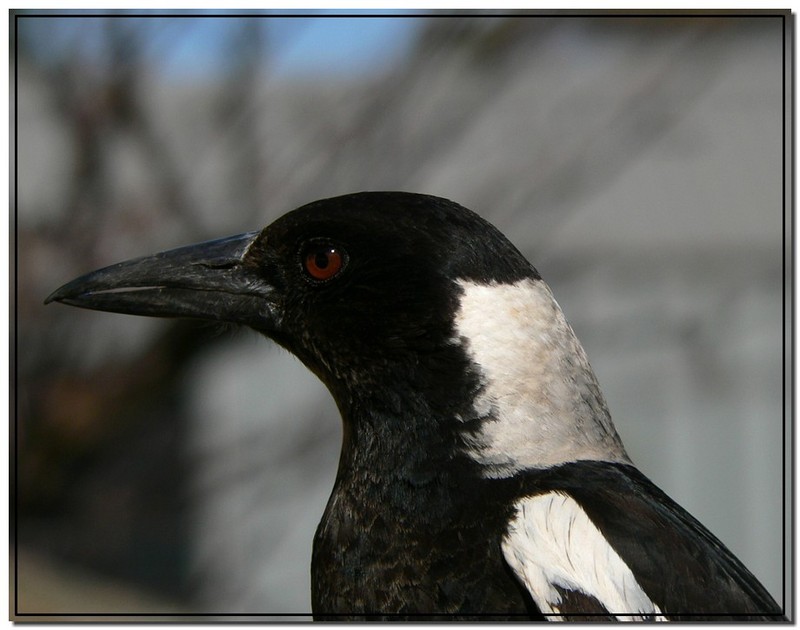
point(322, 261)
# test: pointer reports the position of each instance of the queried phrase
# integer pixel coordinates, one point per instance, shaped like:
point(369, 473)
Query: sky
point(194, 45)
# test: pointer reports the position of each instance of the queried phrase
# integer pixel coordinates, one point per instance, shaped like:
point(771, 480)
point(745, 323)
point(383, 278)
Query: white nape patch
point(540, 399)
point(553, 543)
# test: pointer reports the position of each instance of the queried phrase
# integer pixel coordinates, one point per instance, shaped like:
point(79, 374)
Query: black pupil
point(321, 260)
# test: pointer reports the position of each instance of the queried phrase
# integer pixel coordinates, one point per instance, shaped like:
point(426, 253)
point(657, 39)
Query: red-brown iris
point(322, 261)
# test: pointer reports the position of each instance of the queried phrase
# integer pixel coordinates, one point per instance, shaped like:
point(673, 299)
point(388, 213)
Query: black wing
point(683, 569)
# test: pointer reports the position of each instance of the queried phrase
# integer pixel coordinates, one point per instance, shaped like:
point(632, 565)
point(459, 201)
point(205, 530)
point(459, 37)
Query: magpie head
point(356, 286)
point(366, 284)
point(389, 297)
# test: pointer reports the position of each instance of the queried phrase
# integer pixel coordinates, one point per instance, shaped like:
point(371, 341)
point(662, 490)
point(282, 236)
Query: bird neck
point(539, 398)
point(405, 437)
point(509, 390)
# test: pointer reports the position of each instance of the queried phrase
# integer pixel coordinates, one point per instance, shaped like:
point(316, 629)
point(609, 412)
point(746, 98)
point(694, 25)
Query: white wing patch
point(553, 543)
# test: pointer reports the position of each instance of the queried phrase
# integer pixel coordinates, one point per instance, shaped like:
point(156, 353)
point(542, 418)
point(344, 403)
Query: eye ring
point(323, 260)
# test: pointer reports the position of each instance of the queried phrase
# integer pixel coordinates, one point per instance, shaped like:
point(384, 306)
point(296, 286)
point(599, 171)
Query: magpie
point(480, 476)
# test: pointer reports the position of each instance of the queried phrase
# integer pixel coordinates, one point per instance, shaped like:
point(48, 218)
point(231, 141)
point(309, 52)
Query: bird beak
point(208, 280)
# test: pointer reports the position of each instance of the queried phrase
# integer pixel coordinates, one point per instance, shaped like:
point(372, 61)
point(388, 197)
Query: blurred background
point(175, 466)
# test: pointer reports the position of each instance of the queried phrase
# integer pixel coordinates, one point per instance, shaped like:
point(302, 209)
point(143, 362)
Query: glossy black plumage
point(678, 562)
point(416, 523)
